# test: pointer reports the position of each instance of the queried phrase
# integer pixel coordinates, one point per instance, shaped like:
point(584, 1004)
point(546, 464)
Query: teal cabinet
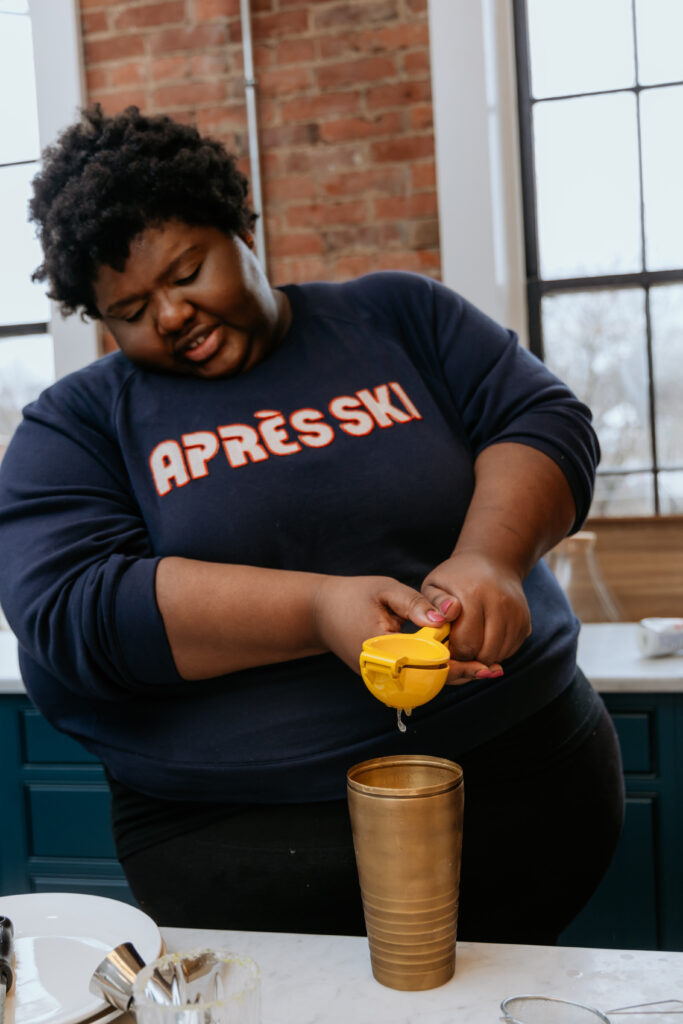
point(639, 903)
point(55, 800)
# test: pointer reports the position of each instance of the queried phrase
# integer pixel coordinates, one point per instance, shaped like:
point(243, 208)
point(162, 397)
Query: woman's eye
point(135, 317)
point(190, 277)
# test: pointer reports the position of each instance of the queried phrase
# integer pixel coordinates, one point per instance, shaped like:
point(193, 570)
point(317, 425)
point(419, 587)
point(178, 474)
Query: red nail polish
point(434, 616)
point(445, 606)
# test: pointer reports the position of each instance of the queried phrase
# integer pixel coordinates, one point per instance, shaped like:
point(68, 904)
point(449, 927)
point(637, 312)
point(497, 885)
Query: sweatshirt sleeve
point(504, 393)
point(77, 570)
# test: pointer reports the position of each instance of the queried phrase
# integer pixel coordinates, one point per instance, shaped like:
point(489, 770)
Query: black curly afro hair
point(108, 178)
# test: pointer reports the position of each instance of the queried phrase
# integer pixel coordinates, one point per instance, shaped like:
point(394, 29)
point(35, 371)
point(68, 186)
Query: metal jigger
point(113, 978)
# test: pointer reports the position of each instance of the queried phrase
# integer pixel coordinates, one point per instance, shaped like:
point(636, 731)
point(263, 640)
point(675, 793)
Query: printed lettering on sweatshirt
point(174, 463)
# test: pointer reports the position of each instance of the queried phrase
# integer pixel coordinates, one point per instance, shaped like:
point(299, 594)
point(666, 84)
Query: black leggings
point(543, 813)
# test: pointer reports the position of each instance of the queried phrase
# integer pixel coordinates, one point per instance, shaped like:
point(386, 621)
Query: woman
point(198, 532)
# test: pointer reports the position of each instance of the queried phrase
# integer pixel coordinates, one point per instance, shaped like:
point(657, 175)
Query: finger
point(505, 633)
point(449, 605)
point(516, 637)
point(460, 672)
point(496, 642)
point(467, 634)
point(407, 603)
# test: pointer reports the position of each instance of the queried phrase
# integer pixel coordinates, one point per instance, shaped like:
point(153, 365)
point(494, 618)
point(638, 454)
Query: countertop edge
point(607, 654)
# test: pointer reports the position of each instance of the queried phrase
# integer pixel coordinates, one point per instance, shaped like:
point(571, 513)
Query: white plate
point(59, 939)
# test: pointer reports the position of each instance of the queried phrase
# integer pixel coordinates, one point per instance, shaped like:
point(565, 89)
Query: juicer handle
point(438, 633)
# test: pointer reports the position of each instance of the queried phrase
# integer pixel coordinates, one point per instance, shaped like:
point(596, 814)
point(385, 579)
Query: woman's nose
point(173, 312)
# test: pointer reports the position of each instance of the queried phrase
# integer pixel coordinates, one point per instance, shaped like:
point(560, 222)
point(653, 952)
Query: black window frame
point(537, 287)
point(16, 330)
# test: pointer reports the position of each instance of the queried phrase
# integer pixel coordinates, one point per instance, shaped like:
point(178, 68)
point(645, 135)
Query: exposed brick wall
point(344, 106)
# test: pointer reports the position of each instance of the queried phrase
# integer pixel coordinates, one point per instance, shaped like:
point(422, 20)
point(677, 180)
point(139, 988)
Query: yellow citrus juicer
point(404, 670)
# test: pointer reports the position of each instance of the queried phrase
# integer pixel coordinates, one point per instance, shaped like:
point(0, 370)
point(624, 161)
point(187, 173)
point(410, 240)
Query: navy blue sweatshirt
point(349, 451)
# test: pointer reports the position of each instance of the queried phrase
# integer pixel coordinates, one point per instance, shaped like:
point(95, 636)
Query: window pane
point(595, 341)
point(18, 111)
point(21, 301)
point(630, 495)
point(659, 29)
point(666, 313)
point(580, 46)
point(671, 493)
point(587, 186)
point(26, 369)
point(661, 113)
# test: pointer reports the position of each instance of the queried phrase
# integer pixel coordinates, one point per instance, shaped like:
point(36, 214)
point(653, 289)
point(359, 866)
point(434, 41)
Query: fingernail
point(487, 673)
point(434, 616)
point(445, 606)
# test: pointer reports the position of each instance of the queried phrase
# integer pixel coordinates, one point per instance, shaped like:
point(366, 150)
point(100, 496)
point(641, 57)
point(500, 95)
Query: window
point(40, 92)
point(26, 362)
point(601, 99)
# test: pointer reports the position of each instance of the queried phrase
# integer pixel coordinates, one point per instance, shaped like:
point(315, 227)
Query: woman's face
point(192, 301)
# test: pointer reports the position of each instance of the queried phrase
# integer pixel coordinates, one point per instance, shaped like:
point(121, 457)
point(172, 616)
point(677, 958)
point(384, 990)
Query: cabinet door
point(57, 800)
point(637, 904)
point(13, 848)
point(623, 912)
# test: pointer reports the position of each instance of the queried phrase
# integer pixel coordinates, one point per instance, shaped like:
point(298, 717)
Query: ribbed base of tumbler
point(413, 948)
point(409, 978)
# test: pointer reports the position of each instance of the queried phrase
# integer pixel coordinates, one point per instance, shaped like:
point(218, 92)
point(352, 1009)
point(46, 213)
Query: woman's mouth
point(203, 348)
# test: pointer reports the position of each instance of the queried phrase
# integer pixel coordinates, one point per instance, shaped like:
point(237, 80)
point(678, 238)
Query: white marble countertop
point(608, 655)
point(319, 979)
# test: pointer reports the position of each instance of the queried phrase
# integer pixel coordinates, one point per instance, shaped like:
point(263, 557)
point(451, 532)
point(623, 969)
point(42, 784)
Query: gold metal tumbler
point(406, 817)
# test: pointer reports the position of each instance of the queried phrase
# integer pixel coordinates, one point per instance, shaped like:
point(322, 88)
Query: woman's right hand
point(350, 609)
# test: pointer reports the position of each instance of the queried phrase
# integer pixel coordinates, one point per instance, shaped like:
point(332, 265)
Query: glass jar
point(577, 571)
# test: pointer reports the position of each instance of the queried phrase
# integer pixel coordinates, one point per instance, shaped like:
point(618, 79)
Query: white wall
point(477, 156)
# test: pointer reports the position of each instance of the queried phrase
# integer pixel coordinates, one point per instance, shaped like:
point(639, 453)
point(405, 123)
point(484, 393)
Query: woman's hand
point(350, 609)
point(522, 505)
point(485, 602)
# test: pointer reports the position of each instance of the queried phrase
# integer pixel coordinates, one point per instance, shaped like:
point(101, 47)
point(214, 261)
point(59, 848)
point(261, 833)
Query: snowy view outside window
point(601, 102)
point(26, 356)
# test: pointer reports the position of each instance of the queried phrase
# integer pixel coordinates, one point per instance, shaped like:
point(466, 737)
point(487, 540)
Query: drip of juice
point(399, 720)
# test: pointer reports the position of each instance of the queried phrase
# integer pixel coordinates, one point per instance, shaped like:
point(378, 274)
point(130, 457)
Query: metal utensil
point(660, 1005)
point(113, 978)
point(207, 986)
point(528, 1009)
point(6, 955)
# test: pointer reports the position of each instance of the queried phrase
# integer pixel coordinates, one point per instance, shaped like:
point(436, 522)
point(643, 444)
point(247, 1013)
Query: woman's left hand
point(486, 604)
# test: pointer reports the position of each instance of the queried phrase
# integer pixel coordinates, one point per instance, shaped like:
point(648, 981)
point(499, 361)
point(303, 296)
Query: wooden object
point(641, 561)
